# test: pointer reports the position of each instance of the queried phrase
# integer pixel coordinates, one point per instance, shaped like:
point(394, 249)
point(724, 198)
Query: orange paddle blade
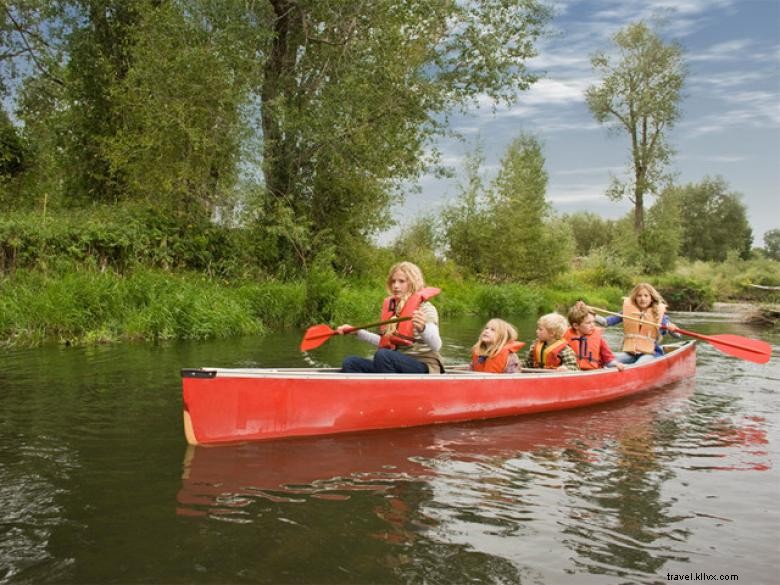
point(753, 350)
point(315, 336)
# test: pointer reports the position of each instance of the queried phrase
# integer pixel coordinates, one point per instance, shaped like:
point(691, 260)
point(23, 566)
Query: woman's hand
point(418, 320)
point(671, 327)
point(344, 329)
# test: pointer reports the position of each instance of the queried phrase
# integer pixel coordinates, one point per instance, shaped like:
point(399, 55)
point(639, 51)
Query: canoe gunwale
point(456, 372)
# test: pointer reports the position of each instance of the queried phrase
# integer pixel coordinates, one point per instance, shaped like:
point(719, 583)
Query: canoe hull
point(227, 406)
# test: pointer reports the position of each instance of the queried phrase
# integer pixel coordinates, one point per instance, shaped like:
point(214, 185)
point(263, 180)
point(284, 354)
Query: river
point(97, 484)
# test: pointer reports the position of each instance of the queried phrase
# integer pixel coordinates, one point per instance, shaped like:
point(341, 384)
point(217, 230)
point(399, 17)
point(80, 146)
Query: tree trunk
point(278, 69)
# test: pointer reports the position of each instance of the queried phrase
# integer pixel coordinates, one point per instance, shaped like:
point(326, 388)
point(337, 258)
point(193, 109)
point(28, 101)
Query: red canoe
point(234, 405)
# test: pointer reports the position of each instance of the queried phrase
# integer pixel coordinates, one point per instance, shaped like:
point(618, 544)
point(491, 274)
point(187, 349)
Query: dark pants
point(386, 361)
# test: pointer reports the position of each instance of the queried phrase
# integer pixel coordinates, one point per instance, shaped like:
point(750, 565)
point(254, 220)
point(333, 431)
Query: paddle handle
point(377, 324)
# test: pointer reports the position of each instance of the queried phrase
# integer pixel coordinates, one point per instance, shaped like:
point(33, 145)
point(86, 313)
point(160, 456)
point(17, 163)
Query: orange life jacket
point(547, 357)
point(640, 337)
point(497, 363)
point(404, 333)
point(587, 348)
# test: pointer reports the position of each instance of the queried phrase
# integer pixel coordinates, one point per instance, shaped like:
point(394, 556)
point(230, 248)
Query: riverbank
point(90, 306)
point(93, 307)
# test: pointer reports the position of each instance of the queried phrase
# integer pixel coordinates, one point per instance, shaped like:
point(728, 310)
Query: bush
point(685, 294)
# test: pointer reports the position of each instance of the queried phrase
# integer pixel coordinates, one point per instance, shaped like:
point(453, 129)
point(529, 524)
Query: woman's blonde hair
point(656, 299)
point(412, 273)
point(505, 332)
point(416, 281)
point(554, 323)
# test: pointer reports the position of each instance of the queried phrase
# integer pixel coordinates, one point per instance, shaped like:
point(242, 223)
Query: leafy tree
point(590, 231)
point(661, 240)
point(508, 231)
point(714, 221)
point(466, 226)
point(772, 244)
point(11, 151)
point(639, 95)
point(352, 92)
point(182, 103)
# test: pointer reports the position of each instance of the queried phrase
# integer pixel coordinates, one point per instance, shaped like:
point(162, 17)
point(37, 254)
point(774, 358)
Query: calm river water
point(97, 484)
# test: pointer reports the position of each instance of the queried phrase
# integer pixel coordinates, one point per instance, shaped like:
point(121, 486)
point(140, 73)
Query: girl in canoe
point(550, 350)
point(644, 321)
point(410, 346)
point(587, 341)
point(496, 349)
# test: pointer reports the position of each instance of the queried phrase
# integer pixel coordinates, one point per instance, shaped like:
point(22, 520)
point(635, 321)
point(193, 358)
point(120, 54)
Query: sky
point(730, 114)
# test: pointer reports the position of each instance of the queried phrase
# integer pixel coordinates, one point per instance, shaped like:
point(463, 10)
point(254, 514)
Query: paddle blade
point(753, 350)
point(315, 336)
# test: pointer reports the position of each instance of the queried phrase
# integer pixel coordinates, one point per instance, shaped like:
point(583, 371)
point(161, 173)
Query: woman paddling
point(407, 347)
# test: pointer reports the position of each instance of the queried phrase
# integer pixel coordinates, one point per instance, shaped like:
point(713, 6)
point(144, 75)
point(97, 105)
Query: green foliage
point(772, 244)
point(605, 268)
point(639, 94)
point(508, 232)
point(90, 307)
point(590, 231)
point(12, 154)
point(119, 237)
point(714, 221)
point(507, 299)
point(731, 279)
point(662, 237)
point(685, 294)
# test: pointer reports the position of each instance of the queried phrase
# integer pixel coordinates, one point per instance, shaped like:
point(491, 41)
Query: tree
point(508, 231)
point(519, 210)
point(772, 244)
point(714, 221)
point(590, 231)
point(12, 155)
point(466, 224)
point(352, 92)
point(661, 240)
point(639, 95)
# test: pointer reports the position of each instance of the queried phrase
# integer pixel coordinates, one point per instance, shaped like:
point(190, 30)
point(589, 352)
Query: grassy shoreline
point(89, 306)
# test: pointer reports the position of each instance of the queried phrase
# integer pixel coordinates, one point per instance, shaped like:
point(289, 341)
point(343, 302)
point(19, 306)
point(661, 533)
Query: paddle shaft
point(708, 338)
point(367, 326)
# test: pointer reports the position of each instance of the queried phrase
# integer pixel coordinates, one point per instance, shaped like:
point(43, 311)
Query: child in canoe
point(587, 341)
point(550, 350)
point(496, 349)
point(644, 321)
point(408, 347)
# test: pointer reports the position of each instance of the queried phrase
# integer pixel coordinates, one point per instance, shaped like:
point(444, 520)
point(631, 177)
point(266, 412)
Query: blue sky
point(729, 127)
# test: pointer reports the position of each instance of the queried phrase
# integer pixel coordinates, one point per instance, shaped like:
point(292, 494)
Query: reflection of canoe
point(217, 479)
point(230, 405)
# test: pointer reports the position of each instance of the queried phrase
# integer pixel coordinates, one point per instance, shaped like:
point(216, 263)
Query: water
point(97, 484)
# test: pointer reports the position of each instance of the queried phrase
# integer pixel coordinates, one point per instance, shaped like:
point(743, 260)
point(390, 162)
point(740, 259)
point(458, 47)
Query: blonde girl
point(496, 349)
point(648, 322)
point(407, 347)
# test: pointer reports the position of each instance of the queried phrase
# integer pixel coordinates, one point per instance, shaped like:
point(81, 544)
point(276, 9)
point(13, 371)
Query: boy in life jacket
point(587, 341)
point(407, 347)
point(646, 321)
point(496, 349)
point(550, 350)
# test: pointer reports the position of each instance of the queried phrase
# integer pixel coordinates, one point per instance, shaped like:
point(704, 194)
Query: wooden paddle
point(316, 335)
point(752, 350)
